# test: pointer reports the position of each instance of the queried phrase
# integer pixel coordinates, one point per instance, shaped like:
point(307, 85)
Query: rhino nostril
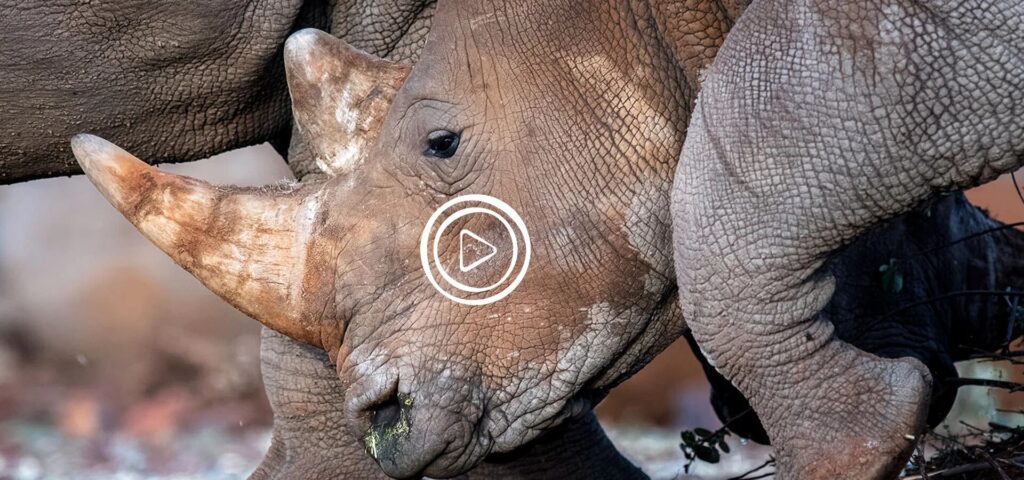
point(389, 424)
point(387, 413)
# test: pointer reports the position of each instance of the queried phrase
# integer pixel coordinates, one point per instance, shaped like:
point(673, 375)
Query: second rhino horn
point(340, 96)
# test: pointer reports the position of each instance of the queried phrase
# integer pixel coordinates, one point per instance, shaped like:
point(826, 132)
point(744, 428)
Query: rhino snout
point(410, 440)
point(411, 425)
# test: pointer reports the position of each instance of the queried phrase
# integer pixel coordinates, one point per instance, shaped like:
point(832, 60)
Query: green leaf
point(724, 447)
point(688, 438)
point(707, 454)
point(702, 432)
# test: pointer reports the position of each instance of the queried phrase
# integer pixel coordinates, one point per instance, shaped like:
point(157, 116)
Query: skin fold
point(576, 115)
point(837, 116)
point(924, 319)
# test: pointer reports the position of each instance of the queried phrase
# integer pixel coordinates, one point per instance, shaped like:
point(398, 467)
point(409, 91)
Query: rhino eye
point(441, 144)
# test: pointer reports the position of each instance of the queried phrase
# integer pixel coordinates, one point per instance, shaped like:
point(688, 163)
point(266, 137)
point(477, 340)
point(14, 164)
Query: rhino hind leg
point(938, 250)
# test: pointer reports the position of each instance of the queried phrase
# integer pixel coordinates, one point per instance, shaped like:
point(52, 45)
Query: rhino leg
point(918, 307)
point(818, 121)
point(936, 251)
point(311, 439)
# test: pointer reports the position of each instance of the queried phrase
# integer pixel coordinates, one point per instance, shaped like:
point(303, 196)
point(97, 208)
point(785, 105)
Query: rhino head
point(577, 129)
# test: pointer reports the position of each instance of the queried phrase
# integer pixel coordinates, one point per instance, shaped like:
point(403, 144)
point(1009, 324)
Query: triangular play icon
point(476, 243)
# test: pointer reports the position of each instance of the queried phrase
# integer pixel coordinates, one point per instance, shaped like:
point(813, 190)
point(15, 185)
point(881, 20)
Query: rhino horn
point(340, 96)
point(247, 245)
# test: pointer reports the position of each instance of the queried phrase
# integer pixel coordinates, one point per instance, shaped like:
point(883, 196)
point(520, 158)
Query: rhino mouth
point(410, 438)
point(415, 417)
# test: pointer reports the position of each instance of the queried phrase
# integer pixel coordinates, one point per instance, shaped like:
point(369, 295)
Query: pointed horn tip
point(109, 168)
point(95, 153)
point(302, 43)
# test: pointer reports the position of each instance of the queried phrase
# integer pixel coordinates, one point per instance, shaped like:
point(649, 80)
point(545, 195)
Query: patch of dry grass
point(993, 454)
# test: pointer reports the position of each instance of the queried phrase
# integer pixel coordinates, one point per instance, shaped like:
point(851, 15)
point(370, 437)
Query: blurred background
point(115, 363)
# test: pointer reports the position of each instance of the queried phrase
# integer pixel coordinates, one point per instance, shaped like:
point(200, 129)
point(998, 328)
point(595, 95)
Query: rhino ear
point(247, 245)
point(340, 96)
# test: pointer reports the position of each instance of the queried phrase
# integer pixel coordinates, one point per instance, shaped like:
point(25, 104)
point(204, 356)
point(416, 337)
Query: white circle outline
point(504, 208)
point(462, 213)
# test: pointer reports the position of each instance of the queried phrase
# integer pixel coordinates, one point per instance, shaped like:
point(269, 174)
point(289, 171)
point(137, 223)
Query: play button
point(472, 246)
point(493, 249)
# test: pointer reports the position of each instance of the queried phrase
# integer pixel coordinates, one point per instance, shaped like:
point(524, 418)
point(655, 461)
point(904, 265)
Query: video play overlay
point(475, 249)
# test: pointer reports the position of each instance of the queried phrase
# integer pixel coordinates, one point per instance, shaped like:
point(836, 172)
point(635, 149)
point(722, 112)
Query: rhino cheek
point(548, 393)
point(647, 226)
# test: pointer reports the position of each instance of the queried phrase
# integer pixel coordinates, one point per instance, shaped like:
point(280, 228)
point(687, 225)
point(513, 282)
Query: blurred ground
point(112, 359)
point(114, 363)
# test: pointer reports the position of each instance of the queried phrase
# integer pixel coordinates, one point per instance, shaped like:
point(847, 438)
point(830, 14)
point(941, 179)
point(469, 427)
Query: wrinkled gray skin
point(317, 453)
point(311, 434)
point(213, 74)
point(932, 337)
point(818, 121)
point(177, 80)
point(941, 249)
point(436, 387)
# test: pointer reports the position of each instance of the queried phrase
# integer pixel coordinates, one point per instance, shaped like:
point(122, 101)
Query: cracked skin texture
point(311, 438)
point(584, 74)
point(925, 245)
point(578, 324)
point(221, 88)
point(819, 121)
point(177, 80)
point(929, 337)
